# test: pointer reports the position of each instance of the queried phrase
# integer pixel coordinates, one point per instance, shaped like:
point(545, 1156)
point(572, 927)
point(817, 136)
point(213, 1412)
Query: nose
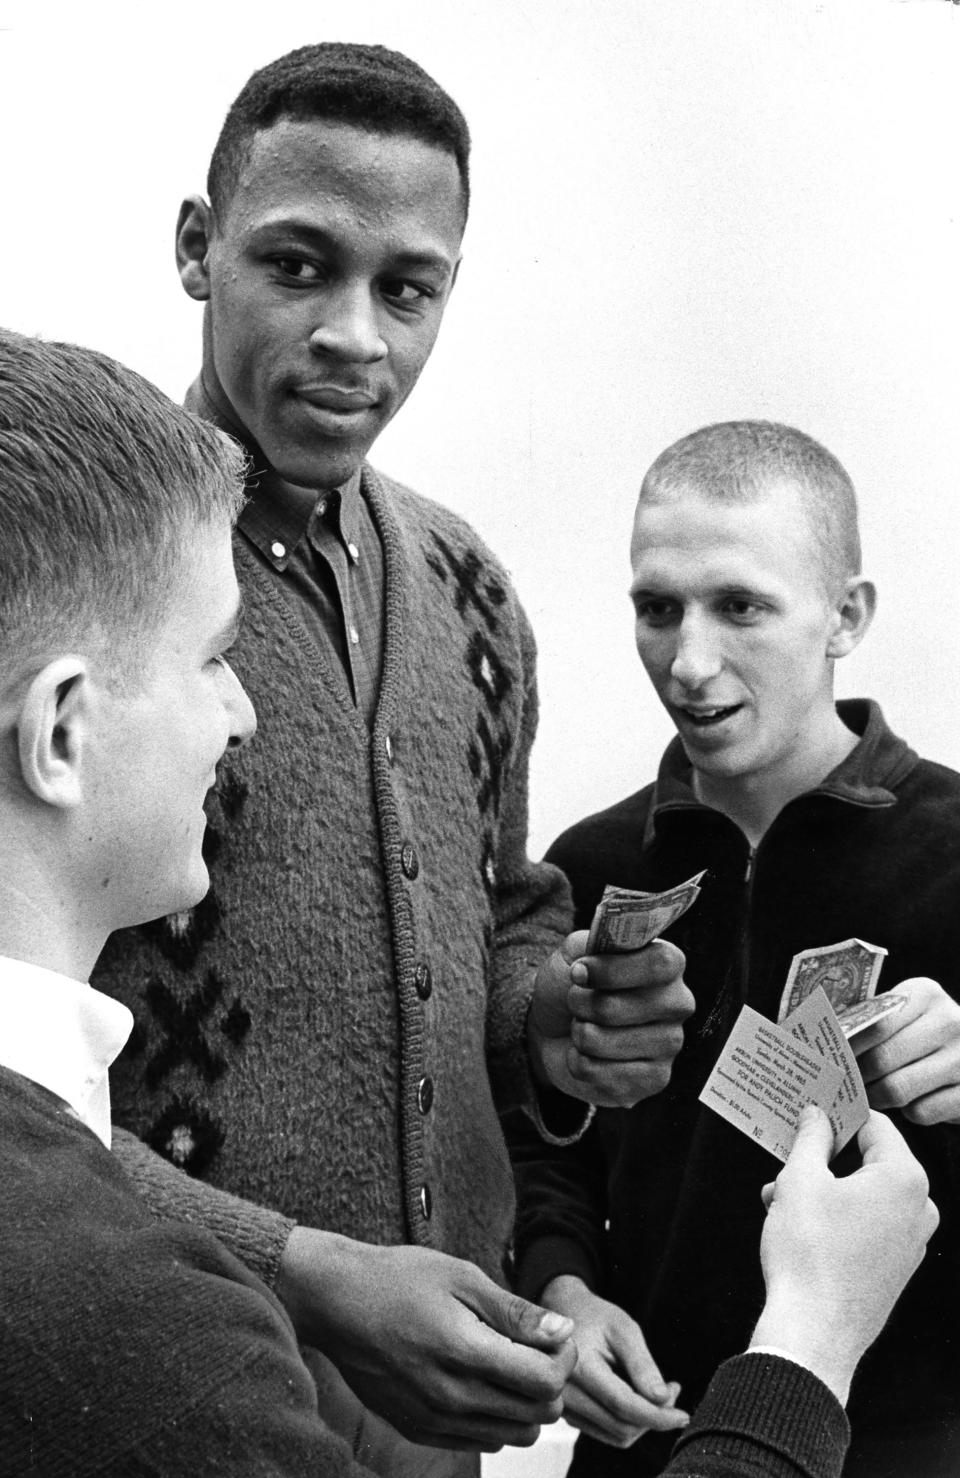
point(349, 329)
point(241, 712)
point(697, 656)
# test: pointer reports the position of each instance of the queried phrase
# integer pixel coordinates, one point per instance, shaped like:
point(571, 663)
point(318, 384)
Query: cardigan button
point(425, 1095)
point(426, 1202)
point(423, 981)
point(409, 860)
point(388, 746)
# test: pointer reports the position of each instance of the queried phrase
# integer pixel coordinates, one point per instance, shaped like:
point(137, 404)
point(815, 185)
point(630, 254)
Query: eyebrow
point(229, 632)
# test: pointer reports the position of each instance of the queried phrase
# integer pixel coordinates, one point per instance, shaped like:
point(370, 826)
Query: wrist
point(817, 1343)
point(315, 1275)
point(560, 1287)
point(534, 1043)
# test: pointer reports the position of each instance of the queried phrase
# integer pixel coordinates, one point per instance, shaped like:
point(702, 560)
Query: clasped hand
point(606, 1028)
point(427, 1341)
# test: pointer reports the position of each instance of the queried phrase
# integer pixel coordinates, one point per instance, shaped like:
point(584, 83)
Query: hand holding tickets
point(766, 1073)
point(627, 919)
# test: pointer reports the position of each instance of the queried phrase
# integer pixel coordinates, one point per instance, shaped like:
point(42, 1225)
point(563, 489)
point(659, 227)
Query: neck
point(43, 926)
point(754, 801)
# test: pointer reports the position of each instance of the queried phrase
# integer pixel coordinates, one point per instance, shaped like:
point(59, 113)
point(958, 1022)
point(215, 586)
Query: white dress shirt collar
point(62, 1034)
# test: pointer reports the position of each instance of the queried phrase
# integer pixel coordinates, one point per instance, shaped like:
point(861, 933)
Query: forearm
point(763, 1416)
point(254, 1234)
point(561, 1206)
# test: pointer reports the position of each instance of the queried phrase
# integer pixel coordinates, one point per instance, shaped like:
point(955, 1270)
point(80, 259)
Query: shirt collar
point(277, 514)
point(62, 1034)
point(866, 777)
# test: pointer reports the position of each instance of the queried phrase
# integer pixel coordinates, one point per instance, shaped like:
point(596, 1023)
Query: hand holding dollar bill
point(627, 919)
point(847, 973)
point(766, 1073)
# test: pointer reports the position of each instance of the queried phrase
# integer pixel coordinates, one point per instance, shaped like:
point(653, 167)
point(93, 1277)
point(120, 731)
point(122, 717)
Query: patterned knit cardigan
point(331, 1034)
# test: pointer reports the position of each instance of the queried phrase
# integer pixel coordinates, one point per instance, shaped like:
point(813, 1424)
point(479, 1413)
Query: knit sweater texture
point(658, 1207)
point(762, 1417)
point(131, 1348)
point(331, 1034)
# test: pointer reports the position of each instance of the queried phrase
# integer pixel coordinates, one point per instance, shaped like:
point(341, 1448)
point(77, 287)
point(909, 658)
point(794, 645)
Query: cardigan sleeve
point(532, 916)
point(763, 1417)
point(255, 1235)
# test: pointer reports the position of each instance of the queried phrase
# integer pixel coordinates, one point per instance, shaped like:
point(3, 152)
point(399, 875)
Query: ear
point(194, 233)
point(52, 730)
point(854, 612)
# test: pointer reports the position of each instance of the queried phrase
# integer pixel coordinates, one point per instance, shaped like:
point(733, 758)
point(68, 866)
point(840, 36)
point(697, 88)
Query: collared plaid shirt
point(324, 549)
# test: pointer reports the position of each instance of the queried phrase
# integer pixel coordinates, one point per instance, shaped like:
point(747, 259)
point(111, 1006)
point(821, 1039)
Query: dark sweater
point(873, 852)
point(131, 1348)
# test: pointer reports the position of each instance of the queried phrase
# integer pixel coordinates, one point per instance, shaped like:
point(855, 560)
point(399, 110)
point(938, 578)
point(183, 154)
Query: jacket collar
point(867, 777)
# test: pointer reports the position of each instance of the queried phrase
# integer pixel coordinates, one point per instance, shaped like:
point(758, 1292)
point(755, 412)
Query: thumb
point(522, 1322)
point(813, 1145)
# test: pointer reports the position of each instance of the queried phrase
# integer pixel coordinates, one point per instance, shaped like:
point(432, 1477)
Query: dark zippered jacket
point(872, 852)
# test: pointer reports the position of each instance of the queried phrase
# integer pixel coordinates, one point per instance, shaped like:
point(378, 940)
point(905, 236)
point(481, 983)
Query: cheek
point(656, 652)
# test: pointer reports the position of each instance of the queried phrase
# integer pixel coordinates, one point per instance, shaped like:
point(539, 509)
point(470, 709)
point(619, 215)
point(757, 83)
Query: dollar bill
point(848, 973)
point(856, 1019)
point(627, 919)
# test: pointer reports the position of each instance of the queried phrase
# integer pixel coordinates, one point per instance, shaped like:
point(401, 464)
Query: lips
point(337, 398)
point(704, 717)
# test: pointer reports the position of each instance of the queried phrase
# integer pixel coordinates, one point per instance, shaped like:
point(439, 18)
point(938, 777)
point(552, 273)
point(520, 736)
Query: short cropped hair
point(368, 87)
point(102, 481)
point(738, 461)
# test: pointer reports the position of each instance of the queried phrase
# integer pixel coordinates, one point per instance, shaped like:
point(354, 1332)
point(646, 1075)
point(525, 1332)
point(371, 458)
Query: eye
point(742, 609)
point(297, 269)
point(656, 611)
point(402, 291)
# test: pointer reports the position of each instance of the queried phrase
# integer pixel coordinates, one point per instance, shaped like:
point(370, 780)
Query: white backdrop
point(682, 212)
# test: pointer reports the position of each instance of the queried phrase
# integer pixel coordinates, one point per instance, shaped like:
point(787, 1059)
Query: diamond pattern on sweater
point(188, 1027)
point(187, 1134)
point(472, 585)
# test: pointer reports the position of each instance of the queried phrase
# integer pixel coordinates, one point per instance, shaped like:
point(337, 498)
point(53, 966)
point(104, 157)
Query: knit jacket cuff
point(552, 1257)
point(773, 1419)
point(252, 1233)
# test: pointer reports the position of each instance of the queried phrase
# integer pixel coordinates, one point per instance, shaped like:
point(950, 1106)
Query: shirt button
point(426, 1202)
point(353, 552)
point(277, 549)
point(425, 1095)
point(354, 635)
point(423, 981)
point(409, 860)
point(322, 507)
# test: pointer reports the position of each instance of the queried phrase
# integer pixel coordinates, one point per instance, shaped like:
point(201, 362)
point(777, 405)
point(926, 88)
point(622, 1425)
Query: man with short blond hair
point(814, 823)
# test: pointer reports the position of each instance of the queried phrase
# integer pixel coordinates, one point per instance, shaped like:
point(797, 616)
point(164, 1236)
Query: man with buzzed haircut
point(378, 969)
point(814, 823)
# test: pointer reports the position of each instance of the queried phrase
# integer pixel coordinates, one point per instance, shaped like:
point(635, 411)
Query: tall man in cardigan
point(378, 968)
point(815, 824)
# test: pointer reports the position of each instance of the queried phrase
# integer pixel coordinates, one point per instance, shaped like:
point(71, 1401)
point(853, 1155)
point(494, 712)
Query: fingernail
point(552, 1324)
point(579, 973)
